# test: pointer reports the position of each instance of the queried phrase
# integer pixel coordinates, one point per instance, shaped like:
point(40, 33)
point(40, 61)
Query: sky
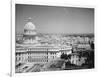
point(55, 19)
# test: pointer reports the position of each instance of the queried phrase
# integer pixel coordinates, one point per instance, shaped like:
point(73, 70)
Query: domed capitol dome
point(29, 28)
point(29, 25)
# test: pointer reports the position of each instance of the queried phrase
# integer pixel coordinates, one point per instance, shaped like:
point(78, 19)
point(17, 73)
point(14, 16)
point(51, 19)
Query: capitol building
point(32, 51)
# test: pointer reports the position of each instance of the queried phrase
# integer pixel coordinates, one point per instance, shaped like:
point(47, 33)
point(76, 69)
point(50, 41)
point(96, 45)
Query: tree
point(64, 56)
point(91, 44)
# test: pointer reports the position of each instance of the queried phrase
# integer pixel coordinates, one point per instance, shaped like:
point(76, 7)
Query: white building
point(76, 60)
point(32, 51)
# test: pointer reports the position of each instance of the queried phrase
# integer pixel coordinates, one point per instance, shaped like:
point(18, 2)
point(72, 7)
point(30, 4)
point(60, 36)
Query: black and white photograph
point(53, 38)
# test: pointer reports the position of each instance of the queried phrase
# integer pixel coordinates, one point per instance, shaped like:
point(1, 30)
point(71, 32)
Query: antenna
point(29, 19)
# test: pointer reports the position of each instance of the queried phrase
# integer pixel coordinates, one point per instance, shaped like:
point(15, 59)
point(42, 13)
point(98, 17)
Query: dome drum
point(30, 32)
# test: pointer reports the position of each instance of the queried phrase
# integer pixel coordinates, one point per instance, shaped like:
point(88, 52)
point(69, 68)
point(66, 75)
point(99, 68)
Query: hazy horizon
point(55, 20)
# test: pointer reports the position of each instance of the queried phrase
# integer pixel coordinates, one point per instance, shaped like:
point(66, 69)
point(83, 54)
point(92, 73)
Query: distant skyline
point(54, 19)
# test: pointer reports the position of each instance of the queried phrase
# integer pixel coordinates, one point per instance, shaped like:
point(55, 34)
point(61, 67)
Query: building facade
point(32, 51)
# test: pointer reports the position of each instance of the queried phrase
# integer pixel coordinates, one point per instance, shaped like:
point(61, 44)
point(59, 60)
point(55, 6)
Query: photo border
point(13, 3)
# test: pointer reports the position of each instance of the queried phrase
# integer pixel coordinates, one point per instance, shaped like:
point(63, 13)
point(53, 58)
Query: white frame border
point(30, 2)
